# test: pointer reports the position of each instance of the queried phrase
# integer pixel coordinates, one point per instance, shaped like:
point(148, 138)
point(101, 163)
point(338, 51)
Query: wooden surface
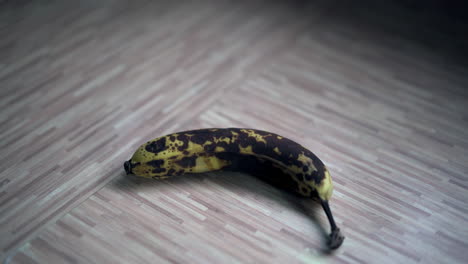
point(377, 92)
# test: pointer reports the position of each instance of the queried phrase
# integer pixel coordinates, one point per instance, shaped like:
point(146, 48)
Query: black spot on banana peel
point(275, 159)
point(187, 162)
point(157, 146)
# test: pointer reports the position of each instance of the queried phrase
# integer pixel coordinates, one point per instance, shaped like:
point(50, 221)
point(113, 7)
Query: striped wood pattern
point(380, 99)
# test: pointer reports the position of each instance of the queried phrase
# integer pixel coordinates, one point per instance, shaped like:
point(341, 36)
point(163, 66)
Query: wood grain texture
point(377, 92)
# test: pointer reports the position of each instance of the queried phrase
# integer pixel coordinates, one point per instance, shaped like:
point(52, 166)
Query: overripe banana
point(274, 158)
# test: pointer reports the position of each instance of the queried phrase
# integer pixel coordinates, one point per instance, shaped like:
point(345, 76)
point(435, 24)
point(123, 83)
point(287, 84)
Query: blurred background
point(376, 89)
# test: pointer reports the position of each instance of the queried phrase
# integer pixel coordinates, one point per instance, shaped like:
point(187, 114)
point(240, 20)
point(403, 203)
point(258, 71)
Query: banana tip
point(128, 167)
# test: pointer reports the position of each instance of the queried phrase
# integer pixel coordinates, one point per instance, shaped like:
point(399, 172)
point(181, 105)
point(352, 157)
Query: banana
point(272, 157)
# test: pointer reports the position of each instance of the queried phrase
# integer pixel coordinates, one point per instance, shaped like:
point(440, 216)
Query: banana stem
point(336, 239)
point(326, 207)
